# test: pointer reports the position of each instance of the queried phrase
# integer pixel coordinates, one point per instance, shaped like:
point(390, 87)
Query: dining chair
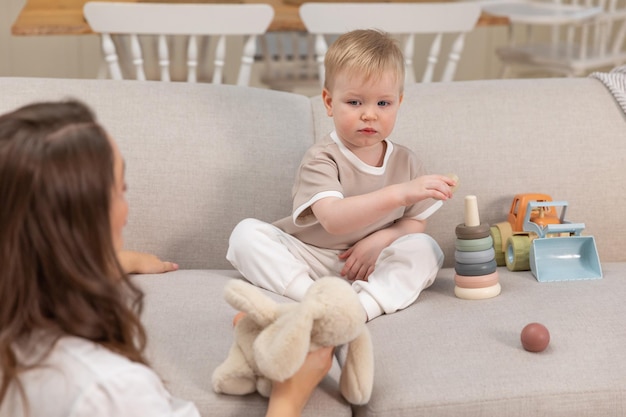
point(138, 33)
point(288, 61)
point(563, 38)
point(407, 21)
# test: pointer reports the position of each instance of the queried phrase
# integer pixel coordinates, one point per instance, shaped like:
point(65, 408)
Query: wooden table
point(65, 17)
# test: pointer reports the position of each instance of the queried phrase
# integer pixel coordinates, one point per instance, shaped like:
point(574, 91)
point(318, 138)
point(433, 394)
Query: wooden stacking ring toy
point(475, 258)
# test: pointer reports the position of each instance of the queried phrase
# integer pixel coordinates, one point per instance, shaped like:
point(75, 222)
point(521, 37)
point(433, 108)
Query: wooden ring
point(476, 269)
point(477, 257)
point(478, 281)
point(473, 245)
point(477, 293)
point(472, 232)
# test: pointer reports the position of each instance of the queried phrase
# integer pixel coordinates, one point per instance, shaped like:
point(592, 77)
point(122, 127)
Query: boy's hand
point(438, 187)
point(360, 259)
point(362, 256)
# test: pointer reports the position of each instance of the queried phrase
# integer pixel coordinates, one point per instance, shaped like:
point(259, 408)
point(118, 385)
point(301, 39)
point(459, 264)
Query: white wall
point(44, 56)
point(67, 56)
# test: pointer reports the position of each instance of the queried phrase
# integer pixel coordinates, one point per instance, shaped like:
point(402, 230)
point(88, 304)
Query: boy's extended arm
point(340, 216)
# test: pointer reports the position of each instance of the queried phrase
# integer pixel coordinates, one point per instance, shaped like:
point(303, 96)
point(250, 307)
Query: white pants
point(272, 259)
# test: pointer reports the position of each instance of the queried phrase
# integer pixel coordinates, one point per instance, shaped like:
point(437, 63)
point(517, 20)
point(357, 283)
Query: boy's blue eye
point(383, 103)
point(353, 102)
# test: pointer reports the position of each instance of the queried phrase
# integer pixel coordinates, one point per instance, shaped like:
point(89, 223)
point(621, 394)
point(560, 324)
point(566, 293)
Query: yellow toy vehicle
point(536, 237)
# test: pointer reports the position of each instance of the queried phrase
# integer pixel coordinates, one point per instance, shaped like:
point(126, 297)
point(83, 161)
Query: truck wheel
point(497, 245)
point(517, 250)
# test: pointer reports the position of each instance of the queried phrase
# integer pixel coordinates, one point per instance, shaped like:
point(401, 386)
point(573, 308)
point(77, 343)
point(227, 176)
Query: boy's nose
point(368, 114)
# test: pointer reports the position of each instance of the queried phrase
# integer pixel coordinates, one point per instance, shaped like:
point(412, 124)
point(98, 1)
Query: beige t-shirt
point(329, 169)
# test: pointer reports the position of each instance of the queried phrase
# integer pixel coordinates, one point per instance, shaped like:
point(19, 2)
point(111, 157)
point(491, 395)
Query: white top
point(80, 378)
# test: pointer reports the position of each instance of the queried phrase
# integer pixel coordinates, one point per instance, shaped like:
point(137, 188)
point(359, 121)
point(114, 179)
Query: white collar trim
point(360, 165)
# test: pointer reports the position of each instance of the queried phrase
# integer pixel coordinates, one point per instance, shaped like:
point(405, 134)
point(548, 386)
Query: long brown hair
point(59, 272)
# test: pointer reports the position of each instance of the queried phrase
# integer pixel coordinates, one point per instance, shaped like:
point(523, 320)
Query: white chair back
point(569, 37)
point(198, 23)
point(289, 62)
point(405, 20)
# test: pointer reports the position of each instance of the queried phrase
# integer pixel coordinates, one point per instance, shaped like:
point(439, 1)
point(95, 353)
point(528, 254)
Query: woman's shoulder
point(74, 364)
point(79, 378)
point(92, 359)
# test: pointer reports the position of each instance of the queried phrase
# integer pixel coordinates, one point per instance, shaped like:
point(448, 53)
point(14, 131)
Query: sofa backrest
point(563, 137)
point(199, 157)
point(202, 157)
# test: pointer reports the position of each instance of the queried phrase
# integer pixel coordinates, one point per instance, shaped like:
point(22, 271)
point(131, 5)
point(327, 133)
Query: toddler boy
point(360, 202)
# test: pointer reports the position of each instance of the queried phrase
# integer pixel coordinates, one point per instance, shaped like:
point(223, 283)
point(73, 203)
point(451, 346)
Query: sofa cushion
point(190, 331)
point(202, 157)
point(449, 357)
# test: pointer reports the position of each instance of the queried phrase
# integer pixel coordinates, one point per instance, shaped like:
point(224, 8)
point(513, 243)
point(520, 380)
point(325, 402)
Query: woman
point(71, 341)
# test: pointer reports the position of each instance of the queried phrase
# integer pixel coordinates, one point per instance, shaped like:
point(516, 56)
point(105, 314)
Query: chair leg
point(505, 71)
point(103, 72)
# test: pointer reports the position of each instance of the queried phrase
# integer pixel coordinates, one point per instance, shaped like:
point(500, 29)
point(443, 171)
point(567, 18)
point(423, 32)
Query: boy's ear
point(401, 97)
point(328, 102)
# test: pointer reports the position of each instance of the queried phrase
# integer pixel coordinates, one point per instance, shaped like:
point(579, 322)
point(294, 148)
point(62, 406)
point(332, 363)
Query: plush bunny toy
point(273, 339)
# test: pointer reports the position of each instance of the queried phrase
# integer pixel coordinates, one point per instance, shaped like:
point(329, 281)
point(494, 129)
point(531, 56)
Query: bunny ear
point(357, 374)
point(281, 348)
point(246, 297)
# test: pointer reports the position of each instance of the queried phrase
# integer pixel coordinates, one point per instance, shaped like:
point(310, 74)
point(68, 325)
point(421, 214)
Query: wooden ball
point(535, 337)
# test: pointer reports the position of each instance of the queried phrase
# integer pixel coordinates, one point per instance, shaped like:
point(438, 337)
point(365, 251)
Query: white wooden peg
point(471, 211)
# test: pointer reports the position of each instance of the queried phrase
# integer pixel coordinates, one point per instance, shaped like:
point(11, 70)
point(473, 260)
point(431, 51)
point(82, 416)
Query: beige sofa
point(201, 157)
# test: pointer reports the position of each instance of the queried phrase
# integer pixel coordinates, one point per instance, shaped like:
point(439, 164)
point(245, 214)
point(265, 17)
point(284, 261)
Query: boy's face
point(363, 110)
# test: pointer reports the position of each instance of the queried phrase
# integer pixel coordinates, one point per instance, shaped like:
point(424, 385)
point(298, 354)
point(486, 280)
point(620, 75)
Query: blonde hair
point(364, 52)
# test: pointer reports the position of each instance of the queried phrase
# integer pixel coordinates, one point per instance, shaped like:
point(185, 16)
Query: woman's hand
point(144, 263)
point(289, 397)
